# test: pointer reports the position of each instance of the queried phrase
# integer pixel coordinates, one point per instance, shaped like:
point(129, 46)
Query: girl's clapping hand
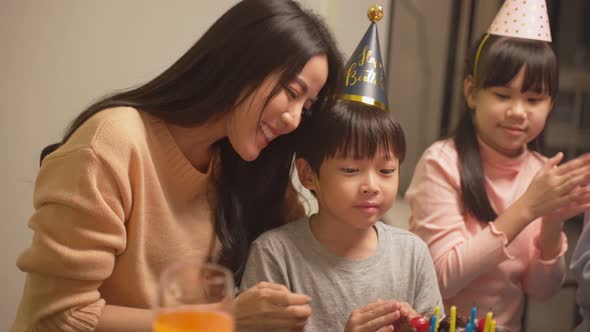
point(561, 191)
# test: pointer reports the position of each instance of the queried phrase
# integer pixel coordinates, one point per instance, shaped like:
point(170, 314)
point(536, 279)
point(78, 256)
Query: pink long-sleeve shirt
point(474, 263)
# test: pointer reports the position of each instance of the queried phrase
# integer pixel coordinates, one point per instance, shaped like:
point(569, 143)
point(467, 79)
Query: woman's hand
point(267, 306)
point(560, 192)
point(379, 316)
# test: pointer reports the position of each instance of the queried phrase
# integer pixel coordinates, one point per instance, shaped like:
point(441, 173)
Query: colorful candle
point(469, 327)
point(453, 318)
point(493, 325)
point(473, 313)
point(437, 316)
point(486, 326)
point(432, 323)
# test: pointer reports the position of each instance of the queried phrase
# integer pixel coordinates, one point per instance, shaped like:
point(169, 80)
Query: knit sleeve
point(79, 229)
point(434, 198)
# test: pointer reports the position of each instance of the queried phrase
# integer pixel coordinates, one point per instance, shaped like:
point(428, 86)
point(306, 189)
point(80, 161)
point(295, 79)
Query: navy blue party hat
point(365, 74)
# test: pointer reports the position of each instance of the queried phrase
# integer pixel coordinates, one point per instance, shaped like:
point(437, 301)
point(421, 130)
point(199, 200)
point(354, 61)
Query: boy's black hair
point(350, 129)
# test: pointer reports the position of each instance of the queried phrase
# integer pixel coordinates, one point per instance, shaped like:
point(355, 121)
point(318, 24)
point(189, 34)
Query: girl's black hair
point(500, 61)
point(350, 129)
point(252, 40)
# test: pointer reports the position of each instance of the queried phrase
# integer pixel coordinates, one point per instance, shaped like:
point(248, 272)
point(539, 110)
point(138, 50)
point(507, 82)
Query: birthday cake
point(461, 324)
point(445, 325)
point(421, 324)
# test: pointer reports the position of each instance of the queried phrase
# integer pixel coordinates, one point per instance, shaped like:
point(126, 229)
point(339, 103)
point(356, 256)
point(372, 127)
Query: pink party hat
point(522, 19)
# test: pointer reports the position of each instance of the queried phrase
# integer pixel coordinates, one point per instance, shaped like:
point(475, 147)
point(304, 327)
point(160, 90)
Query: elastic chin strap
point(316, 183)
point(476, 62)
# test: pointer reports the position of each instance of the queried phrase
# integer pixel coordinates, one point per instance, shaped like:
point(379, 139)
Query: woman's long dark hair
point(350, 129)
point(252, 40)
point(500, 61)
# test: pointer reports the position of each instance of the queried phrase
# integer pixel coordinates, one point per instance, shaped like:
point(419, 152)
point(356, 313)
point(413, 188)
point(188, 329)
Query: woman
point(193, 164)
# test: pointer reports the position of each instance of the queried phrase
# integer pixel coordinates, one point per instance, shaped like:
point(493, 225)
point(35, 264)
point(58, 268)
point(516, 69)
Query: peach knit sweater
point(113, 206)
point(473, 263)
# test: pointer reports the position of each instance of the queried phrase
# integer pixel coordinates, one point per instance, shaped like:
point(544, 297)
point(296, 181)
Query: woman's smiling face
point(249, 131)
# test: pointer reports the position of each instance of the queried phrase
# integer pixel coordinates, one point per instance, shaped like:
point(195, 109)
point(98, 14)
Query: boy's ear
point(305, 173)
point(469, 91)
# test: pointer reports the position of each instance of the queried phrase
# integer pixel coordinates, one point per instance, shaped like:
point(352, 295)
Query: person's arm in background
point(581, 266)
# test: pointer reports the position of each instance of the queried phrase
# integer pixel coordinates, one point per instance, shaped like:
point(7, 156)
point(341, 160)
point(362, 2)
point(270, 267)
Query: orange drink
point(193, 321)
point(194, 297)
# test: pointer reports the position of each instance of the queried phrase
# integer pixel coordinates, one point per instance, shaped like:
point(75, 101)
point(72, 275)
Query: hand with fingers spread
point(268, 306)
point(559, 192)
point(379, 316)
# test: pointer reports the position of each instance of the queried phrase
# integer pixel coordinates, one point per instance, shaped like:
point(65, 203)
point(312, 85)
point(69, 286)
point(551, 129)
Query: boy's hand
point(379, 316)
point(407, 313)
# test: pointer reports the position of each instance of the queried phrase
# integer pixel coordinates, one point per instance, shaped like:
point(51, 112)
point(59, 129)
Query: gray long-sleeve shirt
point(401, 269)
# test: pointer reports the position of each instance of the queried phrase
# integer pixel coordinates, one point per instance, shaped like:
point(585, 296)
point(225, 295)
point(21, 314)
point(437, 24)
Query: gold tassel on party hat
point(365, 75)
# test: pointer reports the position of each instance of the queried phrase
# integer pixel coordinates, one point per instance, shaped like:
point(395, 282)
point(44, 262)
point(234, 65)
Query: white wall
point(57, 56)
point(348, 20)
point(417, 73)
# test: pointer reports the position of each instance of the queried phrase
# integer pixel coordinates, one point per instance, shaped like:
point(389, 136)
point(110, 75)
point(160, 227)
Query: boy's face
point(357, 193)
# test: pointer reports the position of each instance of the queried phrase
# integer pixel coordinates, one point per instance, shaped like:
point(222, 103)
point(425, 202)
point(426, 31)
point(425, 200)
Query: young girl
point(343, 257)
point(490, 208)
point(166, 171)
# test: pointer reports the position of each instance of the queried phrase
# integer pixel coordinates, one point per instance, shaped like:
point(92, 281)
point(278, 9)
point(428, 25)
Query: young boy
point(361, 274)
point(343, 257)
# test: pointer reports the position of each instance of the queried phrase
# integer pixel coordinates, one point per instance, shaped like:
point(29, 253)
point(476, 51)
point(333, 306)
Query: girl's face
point(249, 132)
point(355, 194)
point(506, 118)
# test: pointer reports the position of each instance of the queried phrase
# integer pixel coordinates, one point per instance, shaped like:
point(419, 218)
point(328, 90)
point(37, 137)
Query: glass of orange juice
point(194, 297)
